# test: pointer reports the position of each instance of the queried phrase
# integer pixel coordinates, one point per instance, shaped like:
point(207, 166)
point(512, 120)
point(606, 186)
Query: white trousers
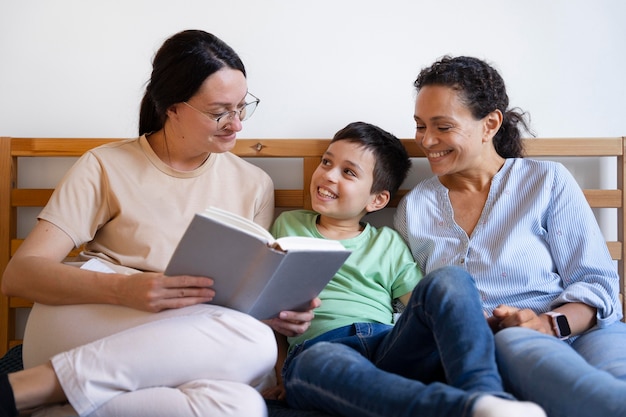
point(117, 361)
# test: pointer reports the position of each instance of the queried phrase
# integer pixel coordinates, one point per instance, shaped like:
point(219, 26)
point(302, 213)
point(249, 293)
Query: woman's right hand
point(154, 292)
point(37, 272)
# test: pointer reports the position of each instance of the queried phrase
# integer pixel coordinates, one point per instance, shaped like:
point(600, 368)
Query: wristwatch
point(560, 325)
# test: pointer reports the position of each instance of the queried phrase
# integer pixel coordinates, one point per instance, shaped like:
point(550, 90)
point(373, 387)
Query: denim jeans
point(585, 379)
point(436, 361)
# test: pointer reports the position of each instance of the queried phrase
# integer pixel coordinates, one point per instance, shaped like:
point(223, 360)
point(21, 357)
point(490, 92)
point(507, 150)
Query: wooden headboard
point(308, 151)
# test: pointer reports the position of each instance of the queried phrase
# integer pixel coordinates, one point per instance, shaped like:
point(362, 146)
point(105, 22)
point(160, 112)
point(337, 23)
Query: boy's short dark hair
point(392, 160)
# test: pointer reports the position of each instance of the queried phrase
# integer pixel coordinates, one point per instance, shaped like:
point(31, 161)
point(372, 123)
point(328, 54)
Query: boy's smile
point(325, 193)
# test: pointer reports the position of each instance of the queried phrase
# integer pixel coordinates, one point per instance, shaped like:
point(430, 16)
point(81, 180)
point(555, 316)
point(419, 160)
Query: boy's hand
point(277, 392)
point(293, 323)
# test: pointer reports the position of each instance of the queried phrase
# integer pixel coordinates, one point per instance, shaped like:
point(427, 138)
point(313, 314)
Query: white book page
point(95, 265)
point(237, 221)
point(287, 243)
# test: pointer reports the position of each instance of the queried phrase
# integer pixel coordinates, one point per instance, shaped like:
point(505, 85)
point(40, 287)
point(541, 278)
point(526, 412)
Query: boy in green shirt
point(438, 359)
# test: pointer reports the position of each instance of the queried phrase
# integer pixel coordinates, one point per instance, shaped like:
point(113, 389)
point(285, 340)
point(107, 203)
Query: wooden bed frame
point(309, 151)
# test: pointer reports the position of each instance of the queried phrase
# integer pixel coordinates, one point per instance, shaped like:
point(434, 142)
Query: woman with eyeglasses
point(149, 344)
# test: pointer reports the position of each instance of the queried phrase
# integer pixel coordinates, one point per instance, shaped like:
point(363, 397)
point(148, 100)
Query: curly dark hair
point(482, 90)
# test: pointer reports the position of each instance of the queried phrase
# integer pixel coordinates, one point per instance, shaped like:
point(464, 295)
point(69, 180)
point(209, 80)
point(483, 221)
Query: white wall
point(78, 67)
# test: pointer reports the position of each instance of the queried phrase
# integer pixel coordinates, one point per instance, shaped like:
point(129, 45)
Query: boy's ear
point(379, 201)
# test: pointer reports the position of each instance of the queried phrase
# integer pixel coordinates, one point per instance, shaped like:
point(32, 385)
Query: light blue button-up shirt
point(537, 243)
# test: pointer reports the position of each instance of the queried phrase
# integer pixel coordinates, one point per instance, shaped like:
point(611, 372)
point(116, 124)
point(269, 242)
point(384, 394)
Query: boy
point(353, 361)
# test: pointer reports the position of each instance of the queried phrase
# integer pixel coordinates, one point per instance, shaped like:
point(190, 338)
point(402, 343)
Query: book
point(253, 272)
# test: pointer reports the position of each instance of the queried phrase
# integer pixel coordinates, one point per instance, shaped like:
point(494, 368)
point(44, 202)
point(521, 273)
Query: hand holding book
point(253, 272)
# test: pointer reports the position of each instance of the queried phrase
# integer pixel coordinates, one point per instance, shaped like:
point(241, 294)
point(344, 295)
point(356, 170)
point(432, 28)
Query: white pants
point(195, 361)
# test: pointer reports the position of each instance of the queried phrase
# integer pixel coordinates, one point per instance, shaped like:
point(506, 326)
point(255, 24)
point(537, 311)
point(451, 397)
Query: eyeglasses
point(223, 119)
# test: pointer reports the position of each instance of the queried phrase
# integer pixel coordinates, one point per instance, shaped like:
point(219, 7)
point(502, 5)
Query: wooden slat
point(30, 197)
point(288, 198)
point(621, 225)
point(280, 148)
point(315, 147)
point(18, 302)
point(574, 147)
point(55, 147)
point(604, 198)
point(309, 165)
point(7, 230)
point(15, 243)
point(68, 147)
point(616, 250)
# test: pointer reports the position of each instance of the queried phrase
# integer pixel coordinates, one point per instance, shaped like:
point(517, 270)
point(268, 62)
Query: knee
point(448, 281)
point(448, 276)
point(314, 357)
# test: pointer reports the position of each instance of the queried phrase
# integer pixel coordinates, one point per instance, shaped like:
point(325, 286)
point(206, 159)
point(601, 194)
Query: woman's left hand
point(581, 317)
point(293, 323)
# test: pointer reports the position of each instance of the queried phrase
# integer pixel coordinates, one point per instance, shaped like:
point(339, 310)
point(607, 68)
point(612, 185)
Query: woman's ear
point(379, 201)
point(492, 123)
point(172, 111)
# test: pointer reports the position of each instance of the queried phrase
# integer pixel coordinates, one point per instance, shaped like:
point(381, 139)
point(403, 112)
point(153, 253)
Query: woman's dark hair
point(392, 160)
point(482, 90)
point(179, 68)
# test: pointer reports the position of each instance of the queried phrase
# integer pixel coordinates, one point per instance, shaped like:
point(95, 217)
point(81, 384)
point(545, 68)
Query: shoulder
point(95, 161)
point(302, 216)
point(525, 169)
point(116, 147)
point(124, 154)
point(294, 223)
point(428, 191)
point(241, 163)
point(392, 253)
point(529, 164)
point(237, 170)
point(384, 235)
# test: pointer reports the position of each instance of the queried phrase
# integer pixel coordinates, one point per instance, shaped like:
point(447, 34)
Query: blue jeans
point(587, 378)
point(436, 361)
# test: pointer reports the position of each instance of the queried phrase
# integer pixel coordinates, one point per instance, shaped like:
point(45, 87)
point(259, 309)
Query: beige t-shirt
point(131, 209)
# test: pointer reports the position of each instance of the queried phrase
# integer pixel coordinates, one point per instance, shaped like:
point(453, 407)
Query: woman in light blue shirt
point(525, 232)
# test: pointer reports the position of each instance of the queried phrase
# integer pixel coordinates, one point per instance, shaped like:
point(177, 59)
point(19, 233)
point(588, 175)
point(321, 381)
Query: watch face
point(563, 324)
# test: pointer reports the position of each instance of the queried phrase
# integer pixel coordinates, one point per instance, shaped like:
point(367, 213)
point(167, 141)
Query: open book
point(253, 272)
